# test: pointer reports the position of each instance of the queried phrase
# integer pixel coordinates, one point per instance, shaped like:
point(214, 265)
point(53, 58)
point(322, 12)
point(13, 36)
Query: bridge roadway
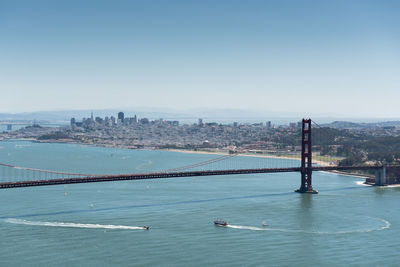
point(162, 175)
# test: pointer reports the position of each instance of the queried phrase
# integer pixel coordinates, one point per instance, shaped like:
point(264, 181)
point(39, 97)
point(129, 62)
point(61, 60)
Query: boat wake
point(386, 225)
point(74, 225)
point(244, 227)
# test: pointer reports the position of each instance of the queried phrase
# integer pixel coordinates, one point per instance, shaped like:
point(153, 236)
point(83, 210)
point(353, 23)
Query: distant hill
point(354, 125)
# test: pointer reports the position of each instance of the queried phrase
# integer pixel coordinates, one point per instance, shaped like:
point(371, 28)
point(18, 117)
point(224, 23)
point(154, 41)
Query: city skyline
point(308, 57)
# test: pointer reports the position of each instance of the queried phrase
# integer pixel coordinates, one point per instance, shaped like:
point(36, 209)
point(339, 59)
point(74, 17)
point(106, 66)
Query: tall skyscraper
point(121, 116)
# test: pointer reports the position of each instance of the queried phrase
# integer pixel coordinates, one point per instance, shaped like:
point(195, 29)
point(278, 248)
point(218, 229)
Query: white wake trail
point(74, 225)
point(361, 183)
point(254, 228)
point(386, 225)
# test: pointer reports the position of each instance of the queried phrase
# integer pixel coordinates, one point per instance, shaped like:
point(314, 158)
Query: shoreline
point(188, 151)
point(221, 153)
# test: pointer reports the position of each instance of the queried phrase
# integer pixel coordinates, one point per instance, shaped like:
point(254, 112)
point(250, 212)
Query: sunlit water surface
point(101, 224)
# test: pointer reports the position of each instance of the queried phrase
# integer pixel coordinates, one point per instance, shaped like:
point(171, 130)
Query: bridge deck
point(162, 175)
point(109, 178)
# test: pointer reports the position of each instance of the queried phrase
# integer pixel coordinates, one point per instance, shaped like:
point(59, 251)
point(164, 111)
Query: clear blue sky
point(311, 57)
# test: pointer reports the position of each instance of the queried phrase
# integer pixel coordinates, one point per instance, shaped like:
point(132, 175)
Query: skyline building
point(121, 116)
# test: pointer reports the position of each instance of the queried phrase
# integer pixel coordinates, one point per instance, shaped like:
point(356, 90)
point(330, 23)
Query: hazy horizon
point(190, 115)
point(311, 58)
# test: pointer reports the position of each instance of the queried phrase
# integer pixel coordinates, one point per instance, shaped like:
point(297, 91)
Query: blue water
point(100, 224)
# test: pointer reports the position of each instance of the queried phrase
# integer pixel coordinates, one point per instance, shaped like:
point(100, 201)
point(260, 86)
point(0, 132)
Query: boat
point(146, 227)
point(220, 223)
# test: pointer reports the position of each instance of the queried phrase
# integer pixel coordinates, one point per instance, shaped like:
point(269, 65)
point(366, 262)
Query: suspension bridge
point(13, 176)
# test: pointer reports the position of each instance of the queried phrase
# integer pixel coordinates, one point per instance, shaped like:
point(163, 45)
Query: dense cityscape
point(132, 132)
point(344, 142)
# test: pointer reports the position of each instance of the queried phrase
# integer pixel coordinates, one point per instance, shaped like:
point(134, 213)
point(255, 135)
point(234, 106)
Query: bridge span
point(164, 175)
point(144, 176)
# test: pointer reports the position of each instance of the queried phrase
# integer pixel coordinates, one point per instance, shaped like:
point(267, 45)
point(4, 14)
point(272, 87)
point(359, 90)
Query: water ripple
point(146, 205)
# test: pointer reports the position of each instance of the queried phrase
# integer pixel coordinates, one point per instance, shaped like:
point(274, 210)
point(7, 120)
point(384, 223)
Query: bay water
point(101, 224)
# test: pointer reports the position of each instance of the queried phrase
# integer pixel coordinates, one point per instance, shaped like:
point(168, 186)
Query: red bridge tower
point(306, 159)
